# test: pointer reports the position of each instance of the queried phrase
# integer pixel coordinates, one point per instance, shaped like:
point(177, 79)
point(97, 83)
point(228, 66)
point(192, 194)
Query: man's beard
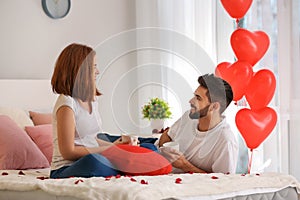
point(199, 113)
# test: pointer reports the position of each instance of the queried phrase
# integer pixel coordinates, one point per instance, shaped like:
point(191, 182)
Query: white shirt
point(215, 150)
point(87, 126)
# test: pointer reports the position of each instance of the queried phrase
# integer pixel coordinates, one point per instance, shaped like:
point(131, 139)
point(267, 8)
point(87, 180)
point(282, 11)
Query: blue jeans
point(87, 166)
point(144, 142)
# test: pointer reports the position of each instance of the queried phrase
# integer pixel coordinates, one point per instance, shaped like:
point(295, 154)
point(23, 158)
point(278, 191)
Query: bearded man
point(206, 141)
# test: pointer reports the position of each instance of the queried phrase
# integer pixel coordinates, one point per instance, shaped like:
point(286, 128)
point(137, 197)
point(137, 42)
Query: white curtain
point(185, 39)
point(280, 19)
point(294, 122)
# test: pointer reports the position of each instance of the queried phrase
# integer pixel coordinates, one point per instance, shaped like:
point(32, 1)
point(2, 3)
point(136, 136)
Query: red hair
point(74, 73)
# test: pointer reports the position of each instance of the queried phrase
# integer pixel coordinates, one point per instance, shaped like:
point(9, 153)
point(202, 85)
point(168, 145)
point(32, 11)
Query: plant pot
point(157, 124)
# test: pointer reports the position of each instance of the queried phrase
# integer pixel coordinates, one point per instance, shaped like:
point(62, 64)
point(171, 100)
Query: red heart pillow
point(135, 160)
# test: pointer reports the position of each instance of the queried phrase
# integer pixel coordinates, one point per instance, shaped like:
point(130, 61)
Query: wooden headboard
point(27, 94)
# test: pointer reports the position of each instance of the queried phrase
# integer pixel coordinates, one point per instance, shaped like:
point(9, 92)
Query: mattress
point(288, 193)
point(35, 184)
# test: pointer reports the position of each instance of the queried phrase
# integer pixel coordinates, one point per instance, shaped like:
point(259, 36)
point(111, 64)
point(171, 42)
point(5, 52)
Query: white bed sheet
point(192, 186)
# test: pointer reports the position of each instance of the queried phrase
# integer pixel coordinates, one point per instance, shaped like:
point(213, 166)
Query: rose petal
point(214, 177)
point(42, 177)
point(118, 176)
point(144, 182)
point(132, 179)
point(78, 181)
point(178, 180)
point(4, 174)
point(21, 173)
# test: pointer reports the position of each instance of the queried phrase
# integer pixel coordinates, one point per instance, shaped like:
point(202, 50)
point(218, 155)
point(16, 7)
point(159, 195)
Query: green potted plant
point(156, 110)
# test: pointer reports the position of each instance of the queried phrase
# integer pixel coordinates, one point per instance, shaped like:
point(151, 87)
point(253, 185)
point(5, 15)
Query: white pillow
point(21, 117)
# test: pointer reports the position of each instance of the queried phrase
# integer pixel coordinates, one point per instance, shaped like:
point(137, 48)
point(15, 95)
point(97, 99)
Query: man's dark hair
point(218, 90)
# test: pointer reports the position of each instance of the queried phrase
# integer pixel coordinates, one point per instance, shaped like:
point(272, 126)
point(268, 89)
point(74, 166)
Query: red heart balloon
point(238, 75)
point(255, 126)
point(236, 8)
point(249, 46)
point(261, 89)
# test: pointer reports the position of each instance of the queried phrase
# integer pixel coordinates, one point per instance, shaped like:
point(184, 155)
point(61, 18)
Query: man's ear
point(215, 106)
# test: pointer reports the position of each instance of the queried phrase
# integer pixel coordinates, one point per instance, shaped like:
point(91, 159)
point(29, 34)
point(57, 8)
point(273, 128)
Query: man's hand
point(164, 137)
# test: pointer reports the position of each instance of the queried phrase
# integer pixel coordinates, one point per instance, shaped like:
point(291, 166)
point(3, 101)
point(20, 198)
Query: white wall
point(31, 41)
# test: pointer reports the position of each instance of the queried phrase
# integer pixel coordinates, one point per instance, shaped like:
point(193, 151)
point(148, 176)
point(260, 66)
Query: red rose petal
point(257, 174)
point(42, 177)
point(190, 172)
point(132, 179)
point(118, 176)
point(21, 173)
point(107, 178)
point(78, 181)
point(144, 182)
point(214, 177)
point(4, 174)
point(178, 180)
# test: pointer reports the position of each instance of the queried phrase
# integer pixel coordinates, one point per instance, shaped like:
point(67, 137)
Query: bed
point(35, 183)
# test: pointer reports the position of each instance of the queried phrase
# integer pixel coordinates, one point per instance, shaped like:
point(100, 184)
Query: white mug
point(172, 145)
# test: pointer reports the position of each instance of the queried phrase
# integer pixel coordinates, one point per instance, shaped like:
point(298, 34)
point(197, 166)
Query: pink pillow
point(42, 137)
point(17, 150)
point(40, 118)
point(135, 160)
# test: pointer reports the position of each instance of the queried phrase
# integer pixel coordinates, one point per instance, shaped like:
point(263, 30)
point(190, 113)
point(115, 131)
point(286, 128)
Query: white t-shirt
point(215, 150)
point(87, 126)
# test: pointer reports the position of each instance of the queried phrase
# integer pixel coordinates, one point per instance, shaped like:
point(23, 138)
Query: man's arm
point(178, 160)
point(164, 137)
point(183, 164)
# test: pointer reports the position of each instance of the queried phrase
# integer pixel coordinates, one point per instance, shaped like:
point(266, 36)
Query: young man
point(206, 142)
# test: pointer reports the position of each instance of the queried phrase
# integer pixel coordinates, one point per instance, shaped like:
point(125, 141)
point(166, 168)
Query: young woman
point(76, 120)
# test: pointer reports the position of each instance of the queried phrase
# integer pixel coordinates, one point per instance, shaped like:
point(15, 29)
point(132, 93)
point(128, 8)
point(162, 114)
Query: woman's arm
point(66, 136)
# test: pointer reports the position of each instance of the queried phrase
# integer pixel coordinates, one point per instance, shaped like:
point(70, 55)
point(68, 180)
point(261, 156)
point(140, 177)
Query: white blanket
point(206, 186)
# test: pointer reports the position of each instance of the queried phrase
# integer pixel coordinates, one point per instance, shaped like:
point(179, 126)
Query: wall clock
point(56, 9)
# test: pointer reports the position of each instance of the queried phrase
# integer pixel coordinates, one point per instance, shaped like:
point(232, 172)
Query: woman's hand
point(118, 141)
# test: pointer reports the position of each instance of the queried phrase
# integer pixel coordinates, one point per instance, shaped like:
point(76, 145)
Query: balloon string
point(237, 23)
point(250, 161)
